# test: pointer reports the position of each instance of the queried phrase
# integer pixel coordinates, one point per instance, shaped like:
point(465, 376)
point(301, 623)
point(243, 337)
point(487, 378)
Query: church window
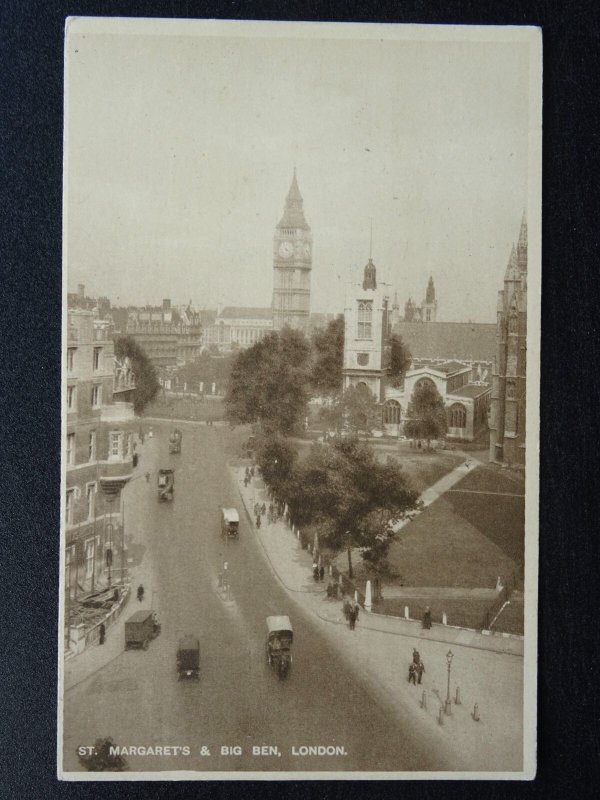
point(457, 416)
point(365, 316)
point(391, 412)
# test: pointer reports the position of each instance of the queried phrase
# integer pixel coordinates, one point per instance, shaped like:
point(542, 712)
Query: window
point(90, 494)
point(70, 449)
point(89, 558)
point(96, 359)
point(70, 398)
point(70, 506)
point(391, 412)
point(457, 416)
point(365, 314)
point(96, 395)
point(92, 446)
point(70, 358)
point(115, 444)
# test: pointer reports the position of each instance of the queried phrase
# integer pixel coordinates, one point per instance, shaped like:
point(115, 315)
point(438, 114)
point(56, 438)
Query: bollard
point(368, 599)
point(406, 614)
point(330, 570)
point(444, 618)
point(457, 698)
point(475, 713)
point(298, 533)
point(424, 700)
point(441, 716)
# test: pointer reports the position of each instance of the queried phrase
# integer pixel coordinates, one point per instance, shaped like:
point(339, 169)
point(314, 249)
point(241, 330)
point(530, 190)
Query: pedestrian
point(347, 607)
point(252, 471)
point(427, 618)
point(412, 674)
point(329, 590)
point(256, 509)
point(245, 480)
point(353, 618)
point(147, 477)
point(356, 610)
point(420, 667)
point(247, 472)
point(315, 569)
point(321, 572)
point(102, 631)
point(258, 520)
point(263, 509)
point(416, 656)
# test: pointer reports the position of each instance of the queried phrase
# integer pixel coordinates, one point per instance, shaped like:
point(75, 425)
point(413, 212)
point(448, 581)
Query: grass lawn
point(442, 548)
point(464, 613)
point(492, 478)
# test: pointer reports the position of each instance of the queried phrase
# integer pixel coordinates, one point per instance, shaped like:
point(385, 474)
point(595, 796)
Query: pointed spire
point(395, 304)
point(370, 276)
point(512, 269)
point(522, 246)
point(293, 214)
point(371, 241)
point(523, 231)
point(430, 292)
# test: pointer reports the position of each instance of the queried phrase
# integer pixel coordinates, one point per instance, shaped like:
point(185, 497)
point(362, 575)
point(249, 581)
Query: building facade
point(509, 384)
point(464, 386)
point(292, 264)
point(169, 336)
point(238, 327)
point(98, 455)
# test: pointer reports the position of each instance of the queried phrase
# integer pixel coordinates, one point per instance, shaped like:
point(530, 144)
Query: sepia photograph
point(300, 409)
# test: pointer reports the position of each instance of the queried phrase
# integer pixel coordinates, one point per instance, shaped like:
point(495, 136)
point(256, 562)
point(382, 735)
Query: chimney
point(81, 290)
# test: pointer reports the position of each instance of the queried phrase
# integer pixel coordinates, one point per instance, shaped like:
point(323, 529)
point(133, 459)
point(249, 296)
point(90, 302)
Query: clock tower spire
point(292, 264)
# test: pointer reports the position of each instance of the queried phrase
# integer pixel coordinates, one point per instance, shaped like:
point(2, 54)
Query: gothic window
point(424, 382)
point(365, 316)
point(391, 412)
point(457, 416)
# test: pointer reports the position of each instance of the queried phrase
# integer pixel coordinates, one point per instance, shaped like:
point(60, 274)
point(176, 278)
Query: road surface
point(137, 698)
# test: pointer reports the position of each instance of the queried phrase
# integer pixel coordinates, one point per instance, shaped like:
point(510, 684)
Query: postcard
point(301, 348)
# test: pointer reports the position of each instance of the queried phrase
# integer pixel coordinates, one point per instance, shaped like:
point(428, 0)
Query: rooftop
point(471, 390)
point(468, 341)
point(245, 312)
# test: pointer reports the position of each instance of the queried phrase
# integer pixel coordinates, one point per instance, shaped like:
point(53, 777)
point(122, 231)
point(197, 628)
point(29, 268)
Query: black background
point(31, 97)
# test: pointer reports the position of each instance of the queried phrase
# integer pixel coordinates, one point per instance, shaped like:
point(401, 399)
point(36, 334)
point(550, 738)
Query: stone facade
point(169, 336)
point(292, 264)
point(509, 383)
point(98, 452)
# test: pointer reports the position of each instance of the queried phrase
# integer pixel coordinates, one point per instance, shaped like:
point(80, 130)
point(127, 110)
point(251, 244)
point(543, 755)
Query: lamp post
point(448, 705)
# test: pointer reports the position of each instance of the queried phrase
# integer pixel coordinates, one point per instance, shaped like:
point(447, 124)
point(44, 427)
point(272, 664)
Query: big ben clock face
point(286, 249)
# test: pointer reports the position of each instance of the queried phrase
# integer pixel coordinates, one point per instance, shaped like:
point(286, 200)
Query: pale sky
point(181, 149)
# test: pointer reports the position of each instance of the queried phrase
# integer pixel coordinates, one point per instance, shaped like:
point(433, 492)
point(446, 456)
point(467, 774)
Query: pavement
point(487, 670)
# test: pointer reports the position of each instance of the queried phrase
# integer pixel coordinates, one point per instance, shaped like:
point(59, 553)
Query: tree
point(359, 408)
point(426, 412)
point(328, 358)
point(351, 497)
point(146, 380)
point(269, 382)
point(276, 460)
point(400, 360)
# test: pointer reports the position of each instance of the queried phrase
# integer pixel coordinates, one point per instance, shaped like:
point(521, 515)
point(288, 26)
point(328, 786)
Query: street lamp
point(448, 706)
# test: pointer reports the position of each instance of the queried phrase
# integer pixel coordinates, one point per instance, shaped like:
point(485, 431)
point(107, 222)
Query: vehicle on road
point(279, 645)
point(175, 441)
point(140, 629)
point(166, 484)
point(188, 657)
point(230, 523)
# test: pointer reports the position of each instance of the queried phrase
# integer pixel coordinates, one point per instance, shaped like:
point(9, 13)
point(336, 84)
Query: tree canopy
point(269, 382)
point(400, 360)
point(328, 358)
point(352, 498)
point(146, 380)
point(426, 413)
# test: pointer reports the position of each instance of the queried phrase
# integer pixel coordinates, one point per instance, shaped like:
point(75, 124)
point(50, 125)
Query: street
point(137, 699)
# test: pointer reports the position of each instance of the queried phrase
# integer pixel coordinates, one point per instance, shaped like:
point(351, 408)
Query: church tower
point(429, 307)
point(292, 263)
point(507, 413)
point(366, 333)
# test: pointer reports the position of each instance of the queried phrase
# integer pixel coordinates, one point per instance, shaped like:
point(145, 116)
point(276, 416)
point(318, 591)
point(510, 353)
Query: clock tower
point(292, 263)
